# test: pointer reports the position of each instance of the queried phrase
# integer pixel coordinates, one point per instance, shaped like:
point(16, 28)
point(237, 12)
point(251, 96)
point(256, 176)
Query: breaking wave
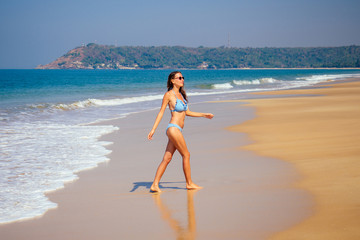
point(91, 102)
point(222, 86)
point(256, 81)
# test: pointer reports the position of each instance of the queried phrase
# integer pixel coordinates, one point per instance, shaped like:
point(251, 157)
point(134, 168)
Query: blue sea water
point(45, 136)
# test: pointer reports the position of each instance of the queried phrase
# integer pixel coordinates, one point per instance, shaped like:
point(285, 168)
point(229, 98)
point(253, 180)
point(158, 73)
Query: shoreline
point(319, 135)
point(242, 191)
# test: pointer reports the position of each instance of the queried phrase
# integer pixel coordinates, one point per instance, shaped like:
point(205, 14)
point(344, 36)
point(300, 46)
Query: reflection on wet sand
point(181, 232)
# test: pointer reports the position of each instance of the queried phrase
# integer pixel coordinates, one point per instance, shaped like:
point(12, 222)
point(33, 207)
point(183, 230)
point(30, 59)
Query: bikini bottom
point(173, 125)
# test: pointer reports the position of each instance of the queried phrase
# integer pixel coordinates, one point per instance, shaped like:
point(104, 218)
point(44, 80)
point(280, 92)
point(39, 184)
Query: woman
point(176, 98)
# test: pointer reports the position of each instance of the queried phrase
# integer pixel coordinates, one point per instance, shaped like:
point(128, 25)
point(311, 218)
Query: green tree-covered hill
point(94, 56)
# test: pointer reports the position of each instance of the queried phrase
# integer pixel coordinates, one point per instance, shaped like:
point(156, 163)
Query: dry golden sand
point(320, 135)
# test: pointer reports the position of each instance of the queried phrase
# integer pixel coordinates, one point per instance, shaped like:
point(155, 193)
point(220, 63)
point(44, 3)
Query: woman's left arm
point(198, 114)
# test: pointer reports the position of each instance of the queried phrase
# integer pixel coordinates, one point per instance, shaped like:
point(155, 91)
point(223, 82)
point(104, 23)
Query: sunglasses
point(180, 78)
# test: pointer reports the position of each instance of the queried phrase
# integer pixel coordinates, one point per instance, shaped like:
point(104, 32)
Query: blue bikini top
point(180, 106)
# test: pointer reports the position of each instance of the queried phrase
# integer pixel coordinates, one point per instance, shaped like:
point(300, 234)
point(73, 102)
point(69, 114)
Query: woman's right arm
point(165, 102)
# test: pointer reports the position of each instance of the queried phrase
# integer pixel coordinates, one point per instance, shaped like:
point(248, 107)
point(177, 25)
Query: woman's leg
point(169, 152)
point(176, 137)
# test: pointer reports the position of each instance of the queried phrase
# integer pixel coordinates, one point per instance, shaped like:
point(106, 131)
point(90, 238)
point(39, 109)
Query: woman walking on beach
point(176, 98)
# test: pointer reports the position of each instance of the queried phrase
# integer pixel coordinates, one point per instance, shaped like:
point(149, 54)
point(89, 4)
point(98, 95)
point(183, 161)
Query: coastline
point(317, 130)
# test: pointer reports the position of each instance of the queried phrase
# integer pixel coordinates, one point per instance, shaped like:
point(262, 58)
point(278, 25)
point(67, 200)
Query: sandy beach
point(320, 136)
point(287, 169)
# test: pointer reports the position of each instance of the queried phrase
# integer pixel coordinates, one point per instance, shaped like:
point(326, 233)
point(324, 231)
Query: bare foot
point(192, 186)
point(155, 188)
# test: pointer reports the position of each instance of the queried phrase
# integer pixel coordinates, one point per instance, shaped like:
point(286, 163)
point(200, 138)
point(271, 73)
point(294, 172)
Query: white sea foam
point(270, 84)
point(40, 157)
point(222, 86)
point(315, 79)
point(255, 81)
point(322, 78)
point(91, 102)
point(230, 85)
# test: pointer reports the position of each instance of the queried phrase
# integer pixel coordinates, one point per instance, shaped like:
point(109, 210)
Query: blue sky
point(34, 32)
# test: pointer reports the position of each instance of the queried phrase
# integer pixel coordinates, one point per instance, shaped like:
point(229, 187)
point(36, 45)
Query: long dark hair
point(170, 85)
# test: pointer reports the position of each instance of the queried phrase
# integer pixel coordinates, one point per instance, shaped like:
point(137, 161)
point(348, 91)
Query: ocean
point(46, 135)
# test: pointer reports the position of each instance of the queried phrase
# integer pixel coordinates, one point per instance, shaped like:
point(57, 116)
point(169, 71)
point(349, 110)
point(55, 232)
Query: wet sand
point(320, 136)
point(245, 196)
